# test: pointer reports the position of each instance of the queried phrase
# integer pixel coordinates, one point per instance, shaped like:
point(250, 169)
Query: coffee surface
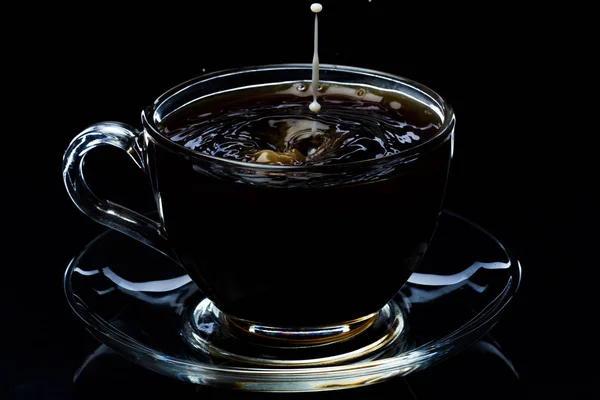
point(273, 124)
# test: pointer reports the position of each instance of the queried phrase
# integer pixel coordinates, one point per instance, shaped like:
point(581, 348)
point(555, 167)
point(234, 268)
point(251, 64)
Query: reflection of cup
point(481, 371)
point(284, 246)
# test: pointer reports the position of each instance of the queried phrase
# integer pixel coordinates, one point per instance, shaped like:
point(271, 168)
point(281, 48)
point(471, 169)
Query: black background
point(522, 167)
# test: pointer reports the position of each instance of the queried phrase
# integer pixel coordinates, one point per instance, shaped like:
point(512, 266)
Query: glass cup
point(309, 254)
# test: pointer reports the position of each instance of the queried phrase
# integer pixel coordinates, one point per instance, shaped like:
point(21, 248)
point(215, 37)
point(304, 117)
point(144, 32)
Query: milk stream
point(315, 106)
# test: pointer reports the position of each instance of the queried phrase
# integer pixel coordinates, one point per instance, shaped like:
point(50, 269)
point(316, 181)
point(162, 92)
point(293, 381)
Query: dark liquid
point(354, 124)
point(302, 248)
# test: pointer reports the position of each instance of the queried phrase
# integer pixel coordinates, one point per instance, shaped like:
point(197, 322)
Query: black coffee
point(300, 248)
point(274, 125)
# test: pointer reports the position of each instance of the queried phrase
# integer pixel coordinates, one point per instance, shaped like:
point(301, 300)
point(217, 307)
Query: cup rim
point(448, 123)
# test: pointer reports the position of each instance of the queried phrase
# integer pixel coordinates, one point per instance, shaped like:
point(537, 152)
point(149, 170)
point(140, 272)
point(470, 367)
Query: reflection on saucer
point(481, 371)
point(165, 285)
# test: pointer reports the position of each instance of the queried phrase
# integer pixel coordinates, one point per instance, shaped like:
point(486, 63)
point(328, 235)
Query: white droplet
point(314, 106)
point(316, 7)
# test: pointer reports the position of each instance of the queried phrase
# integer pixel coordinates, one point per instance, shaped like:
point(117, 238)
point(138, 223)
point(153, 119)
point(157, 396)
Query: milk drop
point(315, 106)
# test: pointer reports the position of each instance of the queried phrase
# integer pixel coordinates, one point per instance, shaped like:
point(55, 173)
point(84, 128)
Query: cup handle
point(107, 213)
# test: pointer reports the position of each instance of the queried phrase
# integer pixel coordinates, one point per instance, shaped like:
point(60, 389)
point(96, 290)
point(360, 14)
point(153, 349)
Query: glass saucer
point(139, 303)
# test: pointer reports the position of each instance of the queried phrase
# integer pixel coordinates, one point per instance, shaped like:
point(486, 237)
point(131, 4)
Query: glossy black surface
point(475, 371)
point(517, 171)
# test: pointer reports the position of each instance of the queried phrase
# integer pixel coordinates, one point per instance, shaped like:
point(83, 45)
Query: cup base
point(244, 343)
